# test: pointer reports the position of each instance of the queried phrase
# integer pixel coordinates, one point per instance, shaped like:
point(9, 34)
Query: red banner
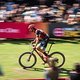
point(18, 30)
point(13, 30)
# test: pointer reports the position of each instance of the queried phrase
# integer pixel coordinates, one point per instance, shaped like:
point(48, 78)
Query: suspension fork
point(30, 55)
point(49, 48)
point(32, 52)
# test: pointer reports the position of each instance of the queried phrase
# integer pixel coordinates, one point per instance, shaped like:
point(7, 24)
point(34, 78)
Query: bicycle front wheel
point(27, 60)
point(60, 58)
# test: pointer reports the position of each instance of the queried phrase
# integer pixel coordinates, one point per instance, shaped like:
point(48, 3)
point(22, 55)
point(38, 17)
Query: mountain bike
point(29, 59)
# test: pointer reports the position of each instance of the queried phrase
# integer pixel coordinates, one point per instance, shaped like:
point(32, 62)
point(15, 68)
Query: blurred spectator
point(1, 71)
point(54, 10)
point(9, 5)
point(74, 9)
point(2, 13)
point(21, 8)
point(52, 73)
point(75, 74)
point(32, 15)
point(47, 17)
point(17, 18)
point(58, 8)
point(58, 4)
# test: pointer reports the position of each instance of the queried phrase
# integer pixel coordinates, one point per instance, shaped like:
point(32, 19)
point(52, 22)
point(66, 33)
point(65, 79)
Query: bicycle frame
point(49, 48)
point(31, 55)
point(39, 54)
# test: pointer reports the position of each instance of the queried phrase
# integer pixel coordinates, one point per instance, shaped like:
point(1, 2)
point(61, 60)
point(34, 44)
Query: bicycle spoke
point(59, 57)
point(27, 60)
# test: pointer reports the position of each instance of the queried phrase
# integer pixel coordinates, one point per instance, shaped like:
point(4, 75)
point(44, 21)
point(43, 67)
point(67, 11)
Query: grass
point(10, 51)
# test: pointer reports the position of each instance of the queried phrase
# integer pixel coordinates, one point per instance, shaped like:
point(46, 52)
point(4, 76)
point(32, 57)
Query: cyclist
point(41, 40)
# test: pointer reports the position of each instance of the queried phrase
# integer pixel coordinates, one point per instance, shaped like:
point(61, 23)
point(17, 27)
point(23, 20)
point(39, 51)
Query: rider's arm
point(36, 40)
point(33, 41)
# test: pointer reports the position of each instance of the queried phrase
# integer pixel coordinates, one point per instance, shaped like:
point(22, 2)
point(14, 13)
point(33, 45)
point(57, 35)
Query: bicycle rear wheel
point(60, 57)
point(27, 60)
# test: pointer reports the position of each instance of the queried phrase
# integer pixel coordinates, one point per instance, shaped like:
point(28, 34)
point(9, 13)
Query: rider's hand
point(32, 42)
point(34, 47)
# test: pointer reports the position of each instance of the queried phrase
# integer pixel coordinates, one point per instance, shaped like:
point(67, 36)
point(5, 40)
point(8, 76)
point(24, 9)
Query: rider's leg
point(41, 52)
point(41, 46)
point(46, 58)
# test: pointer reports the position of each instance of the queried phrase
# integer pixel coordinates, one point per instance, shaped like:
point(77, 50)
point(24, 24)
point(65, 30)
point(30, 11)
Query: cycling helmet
point(31, 27)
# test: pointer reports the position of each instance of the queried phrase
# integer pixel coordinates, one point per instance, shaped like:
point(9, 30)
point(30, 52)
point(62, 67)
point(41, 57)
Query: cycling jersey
point(42, 35)
point(44, 38)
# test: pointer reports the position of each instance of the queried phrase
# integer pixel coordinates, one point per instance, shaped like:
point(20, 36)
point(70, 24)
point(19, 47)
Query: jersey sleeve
point(38, 32)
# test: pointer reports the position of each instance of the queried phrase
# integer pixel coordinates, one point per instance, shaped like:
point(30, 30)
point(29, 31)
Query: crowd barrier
point(44, 79)
point(19, 30)
point(60, 29)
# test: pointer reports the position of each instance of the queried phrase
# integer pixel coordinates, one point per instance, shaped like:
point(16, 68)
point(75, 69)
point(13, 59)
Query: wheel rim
point(60, 57)
point(25, 62)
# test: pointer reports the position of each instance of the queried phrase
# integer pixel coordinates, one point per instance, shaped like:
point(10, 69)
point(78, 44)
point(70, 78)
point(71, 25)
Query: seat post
point(50, 48)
